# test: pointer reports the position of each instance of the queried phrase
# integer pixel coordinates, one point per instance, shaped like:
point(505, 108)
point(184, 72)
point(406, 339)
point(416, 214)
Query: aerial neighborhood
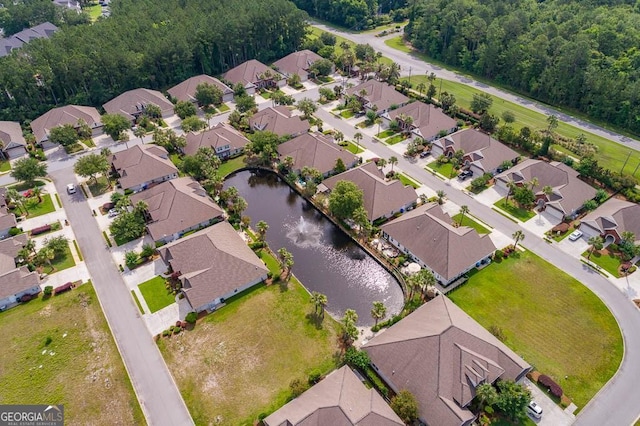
point(293, 226)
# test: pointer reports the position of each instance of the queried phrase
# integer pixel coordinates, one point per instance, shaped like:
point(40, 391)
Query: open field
point(156, 294)
point(238, 362)
point(80, 367)
point(555, 323)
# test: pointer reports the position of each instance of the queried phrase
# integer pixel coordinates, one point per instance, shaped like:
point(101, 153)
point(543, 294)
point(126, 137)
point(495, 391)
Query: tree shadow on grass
point(315, 319)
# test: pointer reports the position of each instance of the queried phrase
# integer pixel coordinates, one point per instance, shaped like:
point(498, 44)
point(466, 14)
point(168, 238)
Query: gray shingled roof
point(186, 91)
point(131, 102)
point(14, 280)
point(9, 248)
point(142, 163)
point(11, 134)
point(176, 205)
point(379, 94)
point(315, 150)
point(615, 214)
point(440, 354)
point(44, 30)
point(428, 233)
point(339, 399)
point(7, 219)
point(212, 263)
point(247, 73)
point(220, 135)
point(68, 114)
point(279, 120)
point(380, 196)
point(297, 62)
point(427, 118)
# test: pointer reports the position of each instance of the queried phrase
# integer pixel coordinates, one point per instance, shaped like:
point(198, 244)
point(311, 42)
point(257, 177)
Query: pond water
point(325, 258)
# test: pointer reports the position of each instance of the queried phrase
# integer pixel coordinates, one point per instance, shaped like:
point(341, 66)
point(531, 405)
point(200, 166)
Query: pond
point(325, 258)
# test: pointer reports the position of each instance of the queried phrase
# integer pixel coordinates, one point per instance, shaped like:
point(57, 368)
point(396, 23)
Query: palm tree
point(596, 243)
point(37, 192)
point(30, 245)
point(511, 189)
point(421, 88)
point(12, 195)
point(382, 163)
point(547, 191)
point(440, 194)
point(427, 279)
point(463, 210)
point(45, 255)
point(358, 137)
point(262, 228)
point(534, 182)
point(378, 311)
point(320, 301)
point(518, 236)
point(393, 160)
point(338, 136)
point(208, 116)
point(286, 261)
point(139, 132)
point(628, 237)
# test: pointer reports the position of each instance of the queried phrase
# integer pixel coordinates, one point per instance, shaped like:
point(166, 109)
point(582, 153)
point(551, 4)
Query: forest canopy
point(145, 43)
point(581, 54)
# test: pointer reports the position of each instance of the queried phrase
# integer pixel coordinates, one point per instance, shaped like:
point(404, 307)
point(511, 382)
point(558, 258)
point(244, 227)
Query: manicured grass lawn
point(23, 186)
point(80, 368)
point(223, 108)
point(5, 166)
point(100, 187)
point(231, 165)
point(385, 134)
point(515, 211)
point(89, 143)
point(270, 261)
point(44, 207)
point(407, 181)
point(445, 169)
point(395, 139)
point(555, 323)
point(353, 148)
point(346, 113)
point(467, 221)
point(239, 361)
point(175, 159)
point(155, 294)
point(121, 241)
point(60, 262)
point(606, 261)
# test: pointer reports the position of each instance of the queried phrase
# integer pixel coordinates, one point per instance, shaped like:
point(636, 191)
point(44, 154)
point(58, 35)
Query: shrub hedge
point(551, 385)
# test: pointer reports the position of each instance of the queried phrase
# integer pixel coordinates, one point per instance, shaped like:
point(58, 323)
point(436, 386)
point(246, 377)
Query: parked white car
point(575, 235)
point(71, 189)
point(113, 213)
point(534, 410)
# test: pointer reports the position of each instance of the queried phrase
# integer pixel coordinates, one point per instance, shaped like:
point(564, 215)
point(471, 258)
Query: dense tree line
point(355, 14)
point(579, 54)
point(20, 14)
point(145, 43)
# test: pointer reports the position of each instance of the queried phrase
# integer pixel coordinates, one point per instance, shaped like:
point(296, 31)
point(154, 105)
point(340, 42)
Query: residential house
point(441, 355)
point(176, 207)
point(7, 219)
point(427, 121)
point(15, 282)
point(339, 399)
point(428, 235)
point(482, 153)
point(213, 264)
point(186, 91)
point(254, 75)
point(382, 198)
point(12, 140)
point(569, 192)
point(315, 150)
point(132, 103)
point(142, 165)
point(377, 96)
point(223, 139)
point(611, 219)
point(16, 41)
point(280, 121)
point(68, 114)
point(297, 63)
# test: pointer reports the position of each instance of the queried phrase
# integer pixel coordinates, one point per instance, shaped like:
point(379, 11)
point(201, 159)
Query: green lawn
point(230, 166)
point(270, 261)
point(73, 369)
point(238, 362)
point(515, 211)
point(395, 139)
point(60, 262)
point(89, 142)
point(346, 113)
point(385, 134)
point(44, 207)
point(175, 159)
point(353, 148)
point(606, 261)
point(445, 169)
point(468, 221)
point(23, 186)
point(223, 108)
point(156, 294)
point(407, 181)
point(94, 11)
point(315, 33)
point(99, 187)
point(555, 323)
point(5, 166)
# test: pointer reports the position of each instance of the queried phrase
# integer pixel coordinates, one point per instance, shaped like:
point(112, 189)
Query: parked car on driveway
point(465, 174)
point(534, 410)
point(113, 213)
point(575, 235)
point(71, 189)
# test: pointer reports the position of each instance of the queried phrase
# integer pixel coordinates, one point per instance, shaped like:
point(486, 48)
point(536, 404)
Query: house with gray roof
point(482, 153)
point(254, 75)
point(441, 355)
point(16, 41)
point(569, 193)
point(429, 236)
point(611, 219)
point(132, 103)
point(297, 63)
point(279, 120)
point(142, 165)
point(186, 91)
point(213, 264)
point(15, 282)
point(374, 93)
point(13, 143)
point(222, 138)
point(427, 121)
point(339, 399)
point(176, 207)
point(382, 198)
point(315, 150)
point(7, 221)
point(68, 114)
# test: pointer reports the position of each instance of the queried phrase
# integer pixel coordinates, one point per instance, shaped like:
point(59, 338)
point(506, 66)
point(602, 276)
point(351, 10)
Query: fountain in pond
point(305, 234)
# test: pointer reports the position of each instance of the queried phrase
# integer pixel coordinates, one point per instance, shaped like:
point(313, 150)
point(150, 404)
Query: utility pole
point(625, 162)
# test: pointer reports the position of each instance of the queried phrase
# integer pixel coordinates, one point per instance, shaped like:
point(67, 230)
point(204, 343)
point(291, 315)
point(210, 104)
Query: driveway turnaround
point(158, 394)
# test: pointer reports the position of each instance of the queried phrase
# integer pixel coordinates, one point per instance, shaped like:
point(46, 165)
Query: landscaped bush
point(498, 256)
point(297, 387)
point(356, 358)
point(551, 385)
point(191, 317)
point(147, 251)
point(256, 246)
point(41, 230)
point(314, 377)
point(47, 291)
point(276, 277)
point(15, 231)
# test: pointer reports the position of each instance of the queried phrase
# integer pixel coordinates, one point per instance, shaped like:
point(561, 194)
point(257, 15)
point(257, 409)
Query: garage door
point(552, 211)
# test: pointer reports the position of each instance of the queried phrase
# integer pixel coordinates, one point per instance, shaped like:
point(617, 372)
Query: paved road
point(622, 390)
point(158, 394)
point(418, 66)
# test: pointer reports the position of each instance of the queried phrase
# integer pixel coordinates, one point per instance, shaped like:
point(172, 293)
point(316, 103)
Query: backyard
point(156, 294)
point(60, 351)
point(231, 165)
point(238, 362)
point(551, 320)
point(511, 208)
